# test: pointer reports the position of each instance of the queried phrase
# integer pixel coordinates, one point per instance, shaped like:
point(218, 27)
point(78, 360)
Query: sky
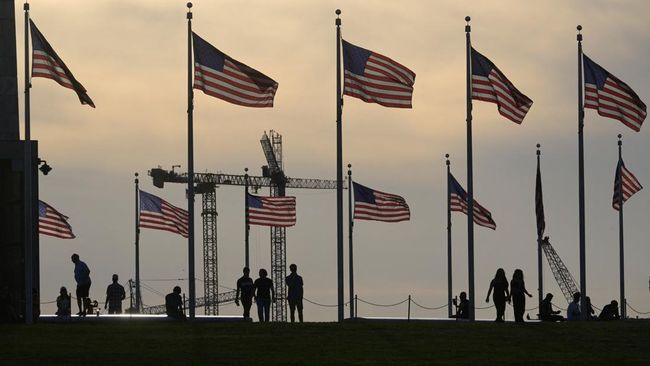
point(132, 58)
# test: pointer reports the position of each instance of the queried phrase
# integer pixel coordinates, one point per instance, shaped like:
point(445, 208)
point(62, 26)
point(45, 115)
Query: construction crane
point(561, 273)
point(200, 301)
point(273, 176)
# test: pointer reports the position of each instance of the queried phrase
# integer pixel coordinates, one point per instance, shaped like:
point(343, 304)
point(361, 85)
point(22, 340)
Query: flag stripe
point(53, 223)
point(370, 204)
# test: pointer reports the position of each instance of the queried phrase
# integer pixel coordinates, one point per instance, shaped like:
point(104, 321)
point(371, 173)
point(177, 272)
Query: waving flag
point(47, 64)
point(374, 78)
point(489, 84)
point(156, 213)
point(220, 76)
point(51, 222)
point(611, 97)
point(458, 202)
point(271, 211)
point(624, 182)
point(370, 204)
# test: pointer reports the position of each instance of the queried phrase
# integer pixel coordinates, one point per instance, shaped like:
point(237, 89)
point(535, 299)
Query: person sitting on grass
point(610, 312)
point(546, 312)
point(462, 308)
point(63, 310)
point(174, 304)
point(573, 311)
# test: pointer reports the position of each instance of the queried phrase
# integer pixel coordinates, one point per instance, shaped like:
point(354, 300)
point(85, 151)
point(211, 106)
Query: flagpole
point(449, 261)
point(620, 226)
point(581, 180)
point(470, 176)
point(339, 170)
point(350, 237)
point(137, 244)
point(540, 278)
point(27, 81)
point(247, 227)
point(190, 165)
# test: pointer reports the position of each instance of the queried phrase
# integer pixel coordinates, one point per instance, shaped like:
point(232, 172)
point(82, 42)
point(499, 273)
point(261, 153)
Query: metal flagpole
point(470, 175)
point(540, 278)
point(137, 244)
point(449, 262)
point(619, 191)
point(247, 227)
point(350, 236)
point(190, 165)
point(28, 189)
point(339, 170)
point(581, 181)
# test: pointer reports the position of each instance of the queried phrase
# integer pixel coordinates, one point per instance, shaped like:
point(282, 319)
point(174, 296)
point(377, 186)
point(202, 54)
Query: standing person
point(82, 276)
point(114, 295)
point(500, 286)
point(245, 286)
point(591, 315)
point(174, 304)
point(517, 291)
point(573, 311)
point(546, 312)
point(264, 294)
point(295, 293)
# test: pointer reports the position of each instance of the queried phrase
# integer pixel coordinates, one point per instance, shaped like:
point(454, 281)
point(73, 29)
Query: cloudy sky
point(132, 58)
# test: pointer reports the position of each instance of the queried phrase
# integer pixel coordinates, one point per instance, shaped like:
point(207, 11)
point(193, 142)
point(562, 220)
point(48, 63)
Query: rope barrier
point(324, 305)
point(483, 308)
point(636, 311)
point(428, 308)
point(381, 305)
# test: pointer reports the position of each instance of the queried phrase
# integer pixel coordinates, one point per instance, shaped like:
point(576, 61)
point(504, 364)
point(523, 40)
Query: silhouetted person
point(82, 276)
point(462, 308)
point(592, 313)
point(247, 289)
point(264, 294)
point(517, 292)
point(500, 286)
point(295, 293)
point(546, 312)
point(573, 311)
point(63, 304)
point(114, 295)
point(174, 304)
point(610, 312)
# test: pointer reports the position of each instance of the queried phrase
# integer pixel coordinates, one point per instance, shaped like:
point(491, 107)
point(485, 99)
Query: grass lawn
point(355, 343)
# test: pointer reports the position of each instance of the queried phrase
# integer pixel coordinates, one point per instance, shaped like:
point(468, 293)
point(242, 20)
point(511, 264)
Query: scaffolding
point(561, 273)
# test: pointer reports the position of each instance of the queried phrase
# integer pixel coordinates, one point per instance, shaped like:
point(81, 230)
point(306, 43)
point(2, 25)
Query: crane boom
point(200, 301)
point(561, 273)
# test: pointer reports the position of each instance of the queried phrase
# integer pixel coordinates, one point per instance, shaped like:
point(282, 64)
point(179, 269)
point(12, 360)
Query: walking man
point(114, 295)
point(82, 276)
point(294, 283)
point(264, 294)
point(245, 286)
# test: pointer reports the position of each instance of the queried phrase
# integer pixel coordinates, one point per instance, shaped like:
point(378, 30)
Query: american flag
point(489, 84)
point(375, 78)
point(271, 211)
point(458, 202)
point(225, 78)
point(611, 97)
point(370, 204)
point(47, 64)
point(630, 185)
point(51, 222)
point(156, 213)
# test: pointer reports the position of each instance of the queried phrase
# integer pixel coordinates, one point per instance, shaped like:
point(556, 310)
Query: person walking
point(264, 294)
point(517, 292)
point(499, 285)
point(82, 277)
point(246, 288)
point(114, 295)
point(295, 293)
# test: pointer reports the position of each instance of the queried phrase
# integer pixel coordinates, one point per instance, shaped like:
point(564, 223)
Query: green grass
point(356, 343)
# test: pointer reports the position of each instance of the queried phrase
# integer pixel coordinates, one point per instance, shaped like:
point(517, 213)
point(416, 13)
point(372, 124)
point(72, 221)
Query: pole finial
point(338, 19)
point(620, 143)
point(26, 6)
point(349, 169)
point(447, 157)
point(189, 10)
point(579, 28)
point(338, 12)
point(189, 5)
point(538, 151)
point(468, 19)
point(349, 166)
point(468, 28)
